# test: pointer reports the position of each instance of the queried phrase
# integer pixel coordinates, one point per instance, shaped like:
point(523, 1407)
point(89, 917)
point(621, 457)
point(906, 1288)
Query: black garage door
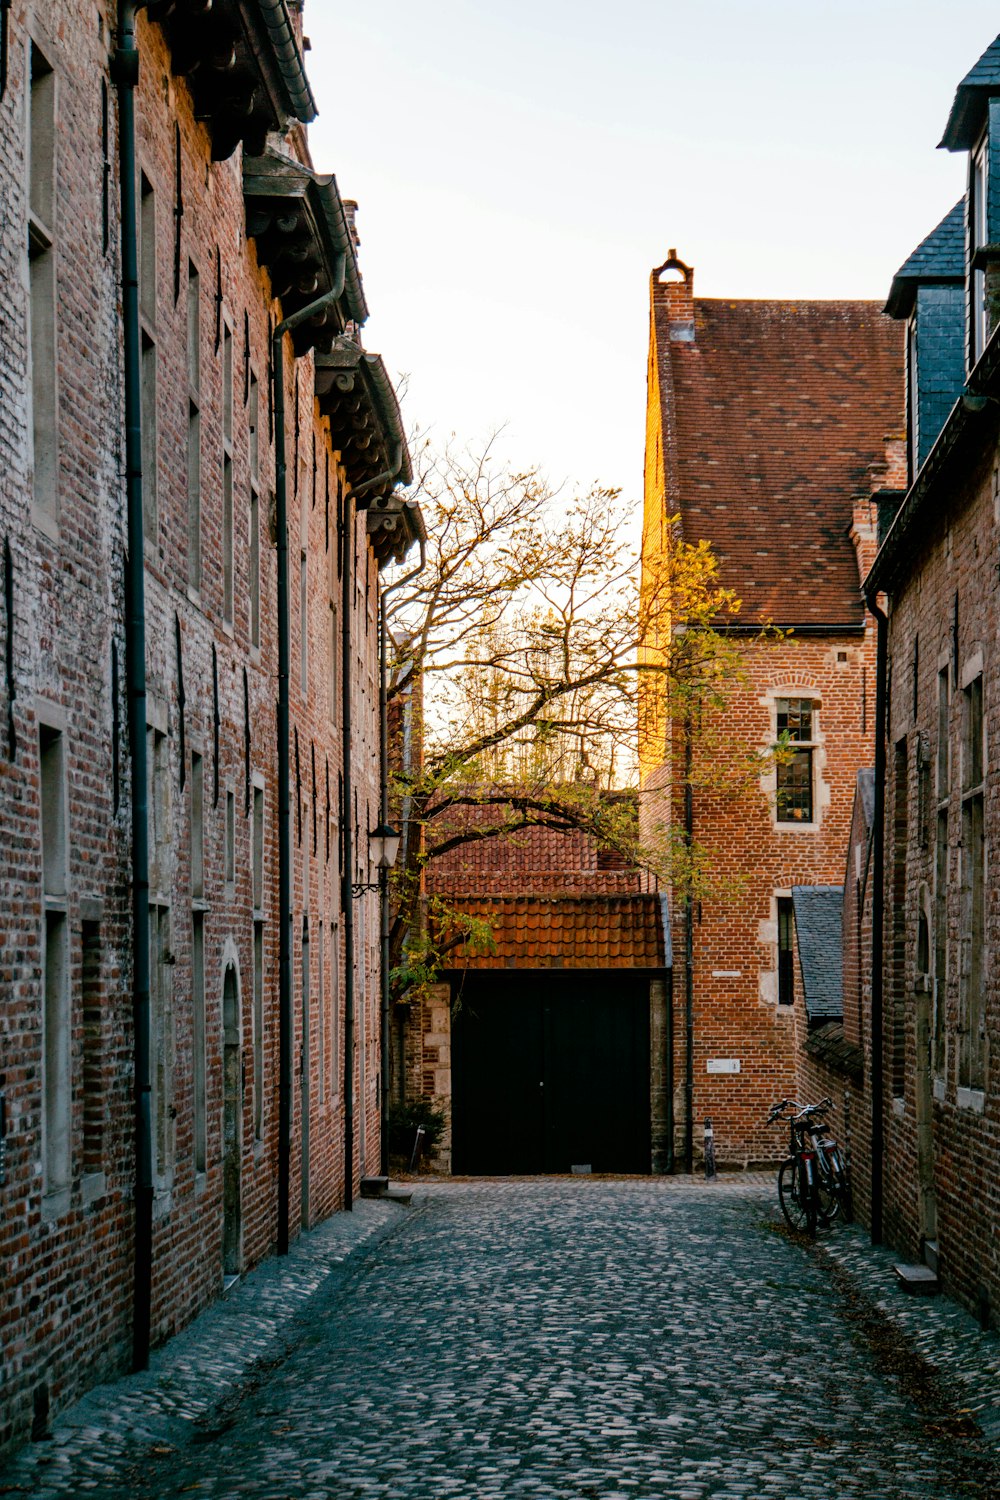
point(550, 1071)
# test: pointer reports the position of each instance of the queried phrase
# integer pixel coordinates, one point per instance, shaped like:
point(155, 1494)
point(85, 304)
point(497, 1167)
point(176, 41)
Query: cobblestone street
point(547, 1338)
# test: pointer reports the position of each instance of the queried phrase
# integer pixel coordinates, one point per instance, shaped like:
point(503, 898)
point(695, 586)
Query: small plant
point(404, 1120)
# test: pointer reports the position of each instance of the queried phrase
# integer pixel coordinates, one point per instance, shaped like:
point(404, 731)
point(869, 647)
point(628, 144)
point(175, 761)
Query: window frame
point(802, 748)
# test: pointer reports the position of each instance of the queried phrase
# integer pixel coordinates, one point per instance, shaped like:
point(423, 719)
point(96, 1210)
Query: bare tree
point(524, 652)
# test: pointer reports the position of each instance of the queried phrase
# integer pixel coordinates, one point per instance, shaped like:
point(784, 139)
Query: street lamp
point(383, 846)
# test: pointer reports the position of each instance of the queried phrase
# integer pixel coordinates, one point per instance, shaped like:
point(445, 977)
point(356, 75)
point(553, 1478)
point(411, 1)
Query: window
point(158, 793)
point(786, 951)
point(43, 373)
point(304, 623)
point(148, 356)
point(795, 766)
point(912, 398)
point(197, 828)
point(944, 709)
point(93, 1082)
point(161, 959)
point(258, 1031)
point(161, 1004)
point(258, 848)
point(334, 1013)
point(321, 1003)
point(57, 1120)
point(978, 189)
point(199, 1018)
point(194, 428)
point(897, 996)
point(972, 1003)
point(253, 418)
point(940, 943)
point(334, 653)
point(227, 475)
point(230, 838)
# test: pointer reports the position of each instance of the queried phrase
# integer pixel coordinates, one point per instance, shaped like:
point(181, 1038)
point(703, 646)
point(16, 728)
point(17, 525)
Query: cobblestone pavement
point(587, 1339)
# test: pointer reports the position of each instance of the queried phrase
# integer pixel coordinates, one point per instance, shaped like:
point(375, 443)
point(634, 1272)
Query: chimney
point(350, 214)
point(672, 288)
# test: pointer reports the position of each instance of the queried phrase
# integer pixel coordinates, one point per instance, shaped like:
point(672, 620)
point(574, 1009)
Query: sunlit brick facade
point(771, 426)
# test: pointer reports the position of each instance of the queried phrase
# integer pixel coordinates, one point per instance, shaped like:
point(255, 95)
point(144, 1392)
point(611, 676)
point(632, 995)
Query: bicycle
point(813, 1186)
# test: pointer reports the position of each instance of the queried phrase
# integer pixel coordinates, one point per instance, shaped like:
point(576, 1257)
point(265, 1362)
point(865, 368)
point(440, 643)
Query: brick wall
point(67, 1255)
point(754, 860)
point(943, 623)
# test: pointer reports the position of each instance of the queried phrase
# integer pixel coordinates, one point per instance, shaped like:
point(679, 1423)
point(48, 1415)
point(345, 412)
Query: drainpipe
point(386, 474)
point(688, 961)
point(125, 75)
point(878, 923)
point(285, 1019)
point(383, 714)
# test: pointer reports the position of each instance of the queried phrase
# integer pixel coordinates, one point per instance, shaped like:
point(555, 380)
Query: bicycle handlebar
point(802, 1112)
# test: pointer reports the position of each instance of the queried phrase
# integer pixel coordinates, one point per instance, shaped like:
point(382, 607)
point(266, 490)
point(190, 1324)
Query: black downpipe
point(688, 961)
point(286, 1037)
point(383, 879)
point(125, 72)
point(878, 926)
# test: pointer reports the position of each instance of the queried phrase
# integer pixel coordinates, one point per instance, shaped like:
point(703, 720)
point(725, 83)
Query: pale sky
point(521, 168)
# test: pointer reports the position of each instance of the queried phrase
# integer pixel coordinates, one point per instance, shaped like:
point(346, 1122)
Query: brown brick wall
point(736, 1010)
point(948, 606)
point(66, 1303)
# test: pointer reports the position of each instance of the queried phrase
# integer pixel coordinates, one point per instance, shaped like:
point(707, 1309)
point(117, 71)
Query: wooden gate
point(550, 1071)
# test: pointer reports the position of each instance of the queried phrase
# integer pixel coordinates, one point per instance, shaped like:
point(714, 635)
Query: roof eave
point(297, 220)
point(965, 120)
point(244, 67)
point(301, 101)
point(368, 432)
point(903, 292)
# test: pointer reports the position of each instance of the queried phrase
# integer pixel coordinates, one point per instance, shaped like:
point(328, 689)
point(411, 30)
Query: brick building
point(934, 1006)
point(176, 1099)
point(771, 428)
point(551, 1051)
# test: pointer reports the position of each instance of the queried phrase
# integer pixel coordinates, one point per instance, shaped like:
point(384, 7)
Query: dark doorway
point(232, 1109)
point(550, 1071)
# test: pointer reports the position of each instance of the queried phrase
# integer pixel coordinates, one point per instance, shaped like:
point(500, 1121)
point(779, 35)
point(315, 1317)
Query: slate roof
point(979, 83)
point(830, 1047)
point(819, 911)
point(771, 418)
point(939, 259)
point(583, 932)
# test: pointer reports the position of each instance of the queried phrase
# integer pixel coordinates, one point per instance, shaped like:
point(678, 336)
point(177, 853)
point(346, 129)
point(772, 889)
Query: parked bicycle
point(813, 1183)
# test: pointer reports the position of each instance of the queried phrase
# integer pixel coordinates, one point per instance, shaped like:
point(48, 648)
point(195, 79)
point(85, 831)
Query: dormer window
point(978, 237)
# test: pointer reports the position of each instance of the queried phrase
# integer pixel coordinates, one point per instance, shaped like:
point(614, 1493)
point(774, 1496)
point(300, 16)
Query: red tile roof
point(586, 932)
point(771, 416)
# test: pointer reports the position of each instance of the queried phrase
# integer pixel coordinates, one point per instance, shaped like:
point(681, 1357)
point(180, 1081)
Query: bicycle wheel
point(842, 1185)
point(809, 1193)
point(793, 1202)
point(828, 1187)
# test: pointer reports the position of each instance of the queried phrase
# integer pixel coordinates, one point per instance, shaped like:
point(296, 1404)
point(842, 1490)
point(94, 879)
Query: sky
point(521, 168)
